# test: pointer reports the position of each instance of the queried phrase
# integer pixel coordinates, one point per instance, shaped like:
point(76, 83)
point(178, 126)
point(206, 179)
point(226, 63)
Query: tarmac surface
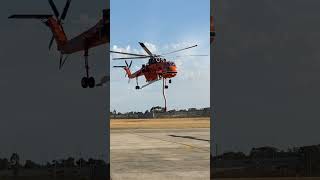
point(160, 154)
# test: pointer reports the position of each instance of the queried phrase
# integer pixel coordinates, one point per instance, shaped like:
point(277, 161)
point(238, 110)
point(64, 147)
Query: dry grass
point(173, 123)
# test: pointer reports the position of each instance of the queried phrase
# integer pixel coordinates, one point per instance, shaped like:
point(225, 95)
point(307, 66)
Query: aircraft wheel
point(91, 82)
point(170, 81)
point(84, 82)
point(166, 86)
point(137, 87)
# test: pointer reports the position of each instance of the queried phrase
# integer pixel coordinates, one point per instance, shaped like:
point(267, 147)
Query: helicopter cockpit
point(171, 63)
point(156, 60)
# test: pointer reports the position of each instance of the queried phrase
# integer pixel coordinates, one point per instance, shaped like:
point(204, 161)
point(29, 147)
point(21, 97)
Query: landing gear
point(91, 82)
point(137, 86)
point(164, 95)
point(84, 82)
point(165, 83)
point(87, 81)
point(170, 81)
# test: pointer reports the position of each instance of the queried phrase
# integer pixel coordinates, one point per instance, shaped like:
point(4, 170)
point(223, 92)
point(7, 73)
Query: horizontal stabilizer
point(30, 16)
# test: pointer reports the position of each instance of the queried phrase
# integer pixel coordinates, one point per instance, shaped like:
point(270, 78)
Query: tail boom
point(58, 32)
point(128, 72)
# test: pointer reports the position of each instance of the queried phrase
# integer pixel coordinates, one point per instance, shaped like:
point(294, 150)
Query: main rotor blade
point(30, 16)
point(179, 50)
point(119, 66)
point(130, 58)
point(51, 42)
point(54, 8)
point(141, 55)
point(65, 10)
point(191, 55)
point(60, 62)
point(145, 48)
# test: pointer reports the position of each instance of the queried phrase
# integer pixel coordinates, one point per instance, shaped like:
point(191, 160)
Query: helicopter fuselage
point(156, 68)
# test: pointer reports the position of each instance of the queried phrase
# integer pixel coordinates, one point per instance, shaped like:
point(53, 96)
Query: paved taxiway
point(138, 154)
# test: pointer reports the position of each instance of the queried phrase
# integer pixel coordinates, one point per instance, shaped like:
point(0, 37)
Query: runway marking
point(187, 145)
point(189, 137)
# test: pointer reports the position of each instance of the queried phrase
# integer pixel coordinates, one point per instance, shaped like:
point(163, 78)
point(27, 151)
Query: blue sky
point(164, 26)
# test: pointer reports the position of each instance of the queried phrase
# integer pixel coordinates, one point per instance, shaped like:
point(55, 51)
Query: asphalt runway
point(160, 154)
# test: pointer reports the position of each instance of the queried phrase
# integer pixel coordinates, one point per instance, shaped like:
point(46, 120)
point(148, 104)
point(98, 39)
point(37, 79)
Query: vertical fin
point(128, 71)
point(58, 32)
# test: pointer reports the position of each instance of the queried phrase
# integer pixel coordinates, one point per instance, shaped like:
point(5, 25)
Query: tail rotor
point(51, 42)
point(127, 66)
point(57, 15)
point(60, 19)
point(45, 19)
point(65, 10)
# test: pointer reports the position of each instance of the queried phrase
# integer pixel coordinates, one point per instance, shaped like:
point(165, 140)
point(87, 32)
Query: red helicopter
point(95, 36)
point(157, 68)
point(212, 30)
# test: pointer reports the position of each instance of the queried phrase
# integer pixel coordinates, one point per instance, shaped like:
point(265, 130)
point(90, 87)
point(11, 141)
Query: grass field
point(173, 123)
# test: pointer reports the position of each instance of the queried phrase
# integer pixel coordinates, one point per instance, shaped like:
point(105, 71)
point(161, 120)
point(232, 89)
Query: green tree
point(4, 164)
point(31, 165)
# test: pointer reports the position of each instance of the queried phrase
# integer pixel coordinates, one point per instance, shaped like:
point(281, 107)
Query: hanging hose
point(164, 95)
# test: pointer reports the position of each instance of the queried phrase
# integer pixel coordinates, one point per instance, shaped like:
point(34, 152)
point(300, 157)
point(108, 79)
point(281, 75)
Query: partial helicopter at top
point(98, 35)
